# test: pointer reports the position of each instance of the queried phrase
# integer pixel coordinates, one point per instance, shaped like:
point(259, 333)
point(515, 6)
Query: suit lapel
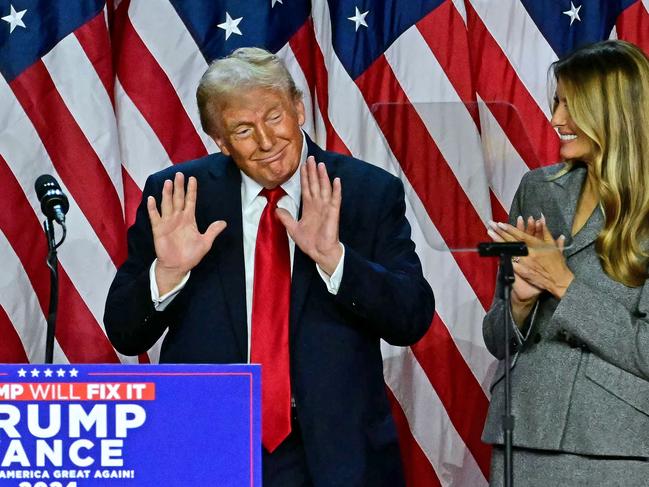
point(225, 203)
point(588, 233)
point(303, 270)
point(567, 197)
point(303, 266)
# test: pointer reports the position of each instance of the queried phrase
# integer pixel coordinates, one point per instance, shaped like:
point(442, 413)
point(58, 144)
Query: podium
point(130, 425)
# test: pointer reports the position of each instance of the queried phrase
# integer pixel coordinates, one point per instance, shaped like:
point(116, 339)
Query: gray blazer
point(580, 378)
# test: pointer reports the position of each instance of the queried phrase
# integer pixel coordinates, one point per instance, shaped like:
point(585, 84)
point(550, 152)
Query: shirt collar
point(251, 188)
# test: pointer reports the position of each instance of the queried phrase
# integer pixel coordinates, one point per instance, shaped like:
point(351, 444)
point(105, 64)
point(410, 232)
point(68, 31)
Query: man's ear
point(299, 109)
point(221, 143)
point(216, 127)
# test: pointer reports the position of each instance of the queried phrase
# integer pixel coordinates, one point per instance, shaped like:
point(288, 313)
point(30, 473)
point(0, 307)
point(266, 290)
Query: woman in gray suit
point(580, 353)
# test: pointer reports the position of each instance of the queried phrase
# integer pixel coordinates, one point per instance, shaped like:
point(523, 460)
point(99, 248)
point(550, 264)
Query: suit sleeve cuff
point(161, 302)
point(333, 281)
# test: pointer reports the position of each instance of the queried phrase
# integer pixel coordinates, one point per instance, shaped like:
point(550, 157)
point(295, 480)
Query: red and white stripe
point(467, 116)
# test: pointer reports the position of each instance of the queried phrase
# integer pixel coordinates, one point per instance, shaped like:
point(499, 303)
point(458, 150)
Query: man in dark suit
point(354, 278)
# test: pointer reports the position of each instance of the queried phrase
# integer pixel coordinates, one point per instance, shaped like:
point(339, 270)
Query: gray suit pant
point(543, 468)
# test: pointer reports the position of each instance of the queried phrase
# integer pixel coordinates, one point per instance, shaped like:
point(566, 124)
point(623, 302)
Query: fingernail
point(519, 219)
point(542, 217)
point(502, 225)
point(491, 233)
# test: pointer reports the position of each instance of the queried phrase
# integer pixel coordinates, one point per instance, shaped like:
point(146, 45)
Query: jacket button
point(537, 338)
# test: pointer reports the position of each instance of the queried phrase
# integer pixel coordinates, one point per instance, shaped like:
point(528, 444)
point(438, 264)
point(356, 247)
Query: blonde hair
point(606, 86)
point(245, 68)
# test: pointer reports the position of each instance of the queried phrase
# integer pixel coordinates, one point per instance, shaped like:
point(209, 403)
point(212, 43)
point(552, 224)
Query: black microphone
point(54, 203)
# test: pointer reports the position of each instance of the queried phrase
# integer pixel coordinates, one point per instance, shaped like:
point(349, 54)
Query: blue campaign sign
point(130, 425)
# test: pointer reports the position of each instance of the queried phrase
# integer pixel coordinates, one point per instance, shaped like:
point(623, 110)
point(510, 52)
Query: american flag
point(101, 94)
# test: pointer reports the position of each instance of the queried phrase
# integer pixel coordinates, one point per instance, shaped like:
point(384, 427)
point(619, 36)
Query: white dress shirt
point(252, 206)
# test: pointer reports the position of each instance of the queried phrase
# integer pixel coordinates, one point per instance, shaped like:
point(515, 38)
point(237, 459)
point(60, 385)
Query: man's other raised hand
point(316, 232)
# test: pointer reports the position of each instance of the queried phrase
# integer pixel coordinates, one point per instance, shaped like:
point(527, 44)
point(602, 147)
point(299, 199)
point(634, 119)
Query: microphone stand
point(505, 251)
point(53, 264)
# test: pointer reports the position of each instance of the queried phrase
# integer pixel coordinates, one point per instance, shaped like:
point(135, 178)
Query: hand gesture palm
point(316, 233)
point(179, 246)
point(545, 267)
point(522, 290)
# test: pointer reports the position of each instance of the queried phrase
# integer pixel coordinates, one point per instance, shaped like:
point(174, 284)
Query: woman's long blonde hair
point(606, 86)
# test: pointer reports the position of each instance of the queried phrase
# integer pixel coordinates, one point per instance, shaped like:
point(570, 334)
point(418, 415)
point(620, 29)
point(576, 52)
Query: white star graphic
point(22, 373)
point(35, 372)
point(359, 18)
point(230, 26)
point(15, 19)
point(74, 372)
point(60, 373)
point(48, 372)
point(276, 1)
point(573, 13)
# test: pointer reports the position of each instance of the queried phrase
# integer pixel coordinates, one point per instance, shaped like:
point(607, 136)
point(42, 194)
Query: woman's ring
point(516, 259)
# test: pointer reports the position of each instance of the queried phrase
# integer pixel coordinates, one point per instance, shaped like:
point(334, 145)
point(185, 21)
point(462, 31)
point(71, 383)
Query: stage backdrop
point(101, 95)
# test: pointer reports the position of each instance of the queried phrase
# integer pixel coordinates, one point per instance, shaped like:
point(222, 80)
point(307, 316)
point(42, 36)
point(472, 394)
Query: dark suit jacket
point(580, 382)
point(336, 365)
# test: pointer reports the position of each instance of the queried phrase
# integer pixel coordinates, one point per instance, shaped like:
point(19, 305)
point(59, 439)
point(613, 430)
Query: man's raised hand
point(179, 246)
point(316, 233)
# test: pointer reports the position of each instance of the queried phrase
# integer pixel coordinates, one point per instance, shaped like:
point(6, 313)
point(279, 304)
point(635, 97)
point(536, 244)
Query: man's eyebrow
point(277, 106)
point(238, 123)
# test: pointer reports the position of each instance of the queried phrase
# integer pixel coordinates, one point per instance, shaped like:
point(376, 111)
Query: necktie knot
point(273, 195)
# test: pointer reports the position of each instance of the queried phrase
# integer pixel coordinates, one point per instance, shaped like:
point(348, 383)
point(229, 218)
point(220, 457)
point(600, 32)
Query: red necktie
point(270, 308)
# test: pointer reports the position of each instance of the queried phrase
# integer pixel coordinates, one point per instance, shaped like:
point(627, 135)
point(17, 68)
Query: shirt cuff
point(518, 335)
point(161, 302)
point(333, 281)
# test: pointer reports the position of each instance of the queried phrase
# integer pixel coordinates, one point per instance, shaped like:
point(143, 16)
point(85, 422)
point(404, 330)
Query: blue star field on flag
point(46, 23)
point(565, 33)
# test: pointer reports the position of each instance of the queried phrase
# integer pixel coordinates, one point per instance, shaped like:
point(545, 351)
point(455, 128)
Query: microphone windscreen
point(53, 201)
point(45, 183)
